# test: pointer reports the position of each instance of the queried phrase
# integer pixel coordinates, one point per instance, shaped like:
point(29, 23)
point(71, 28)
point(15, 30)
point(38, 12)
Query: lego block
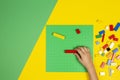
point(113, 57)
point(58, 35)
point(117, 26)
point(97, 42)
point(98, 36)
point(109, 55)
point(102, 65)
point(100, 52)
point(113, 64)
point(110, 71)
point(111, 45)
point(78, 31)
point(109, 62)
point(107, 28)
point(111, 36)
point(105, 46)
point(70, 51)
point(115, 50)
point(115, 39)
point(108, 49)
point(118, 67)
point(103, 36)
point(118, 57)
point(102, 32)
point(105, 51)
point(111, 27)
point(102, 73)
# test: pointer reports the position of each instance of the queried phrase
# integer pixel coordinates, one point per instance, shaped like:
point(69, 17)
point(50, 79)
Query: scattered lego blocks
point(58, 35)
point(78, 31)
point(70, 51)
point(108, 47)
point(102, 73)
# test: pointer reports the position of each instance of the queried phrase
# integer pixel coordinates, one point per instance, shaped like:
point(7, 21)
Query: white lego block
point(111, 45)
point(102, 73)
point(113, 64)
point(105, 51)
point(100, 52)
point(107, 28)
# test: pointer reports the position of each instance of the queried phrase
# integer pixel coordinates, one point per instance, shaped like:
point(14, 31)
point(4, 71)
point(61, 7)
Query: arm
point(84, 57)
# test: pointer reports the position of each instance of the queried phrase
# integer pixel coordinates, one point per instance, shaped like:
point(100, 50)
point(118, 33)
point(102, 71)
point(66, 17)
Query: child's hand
point(84, 57)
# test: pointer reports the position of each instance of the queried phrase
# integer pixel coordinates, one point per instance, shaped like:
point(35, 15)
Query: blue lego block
point(102, 32)
point(97, 42)
point(117, 26)
point(109, 62)
point(115, 50)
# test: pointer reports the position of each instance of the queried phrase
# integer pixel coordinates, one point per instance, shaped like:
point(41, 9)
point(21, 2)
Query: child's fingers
point(78, 57)
point(79, 52)
point(86, 50)
point(82, 50)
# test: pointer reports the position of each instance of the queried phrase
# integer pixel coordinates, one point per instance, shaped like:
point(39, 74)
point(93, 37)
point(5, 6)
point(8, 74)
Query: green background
point(56, 59)
point(21, 22)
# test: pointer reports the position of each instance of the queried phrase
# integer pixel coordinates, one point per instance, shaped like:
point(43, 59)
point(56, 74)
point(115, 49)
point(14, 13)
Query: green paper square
point(56, 59)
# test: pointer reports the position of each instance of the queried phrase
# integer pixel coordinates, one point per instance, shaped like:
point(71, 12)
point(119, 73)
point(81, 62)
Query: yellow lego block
point(58, 35)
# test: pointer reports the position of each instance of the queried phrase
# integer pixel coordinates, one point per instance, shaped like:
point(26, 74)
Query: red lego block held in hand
point(70, 51)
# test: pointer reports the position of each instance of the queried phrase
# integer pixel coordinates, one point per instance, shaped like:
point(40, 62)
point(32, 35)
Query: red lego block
point(77, 31)
point(115, 39)
point(103, 36)
point(102, 64)
point(111, 27)
point(105, 46)
point(111, 36)
point(70, 51)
